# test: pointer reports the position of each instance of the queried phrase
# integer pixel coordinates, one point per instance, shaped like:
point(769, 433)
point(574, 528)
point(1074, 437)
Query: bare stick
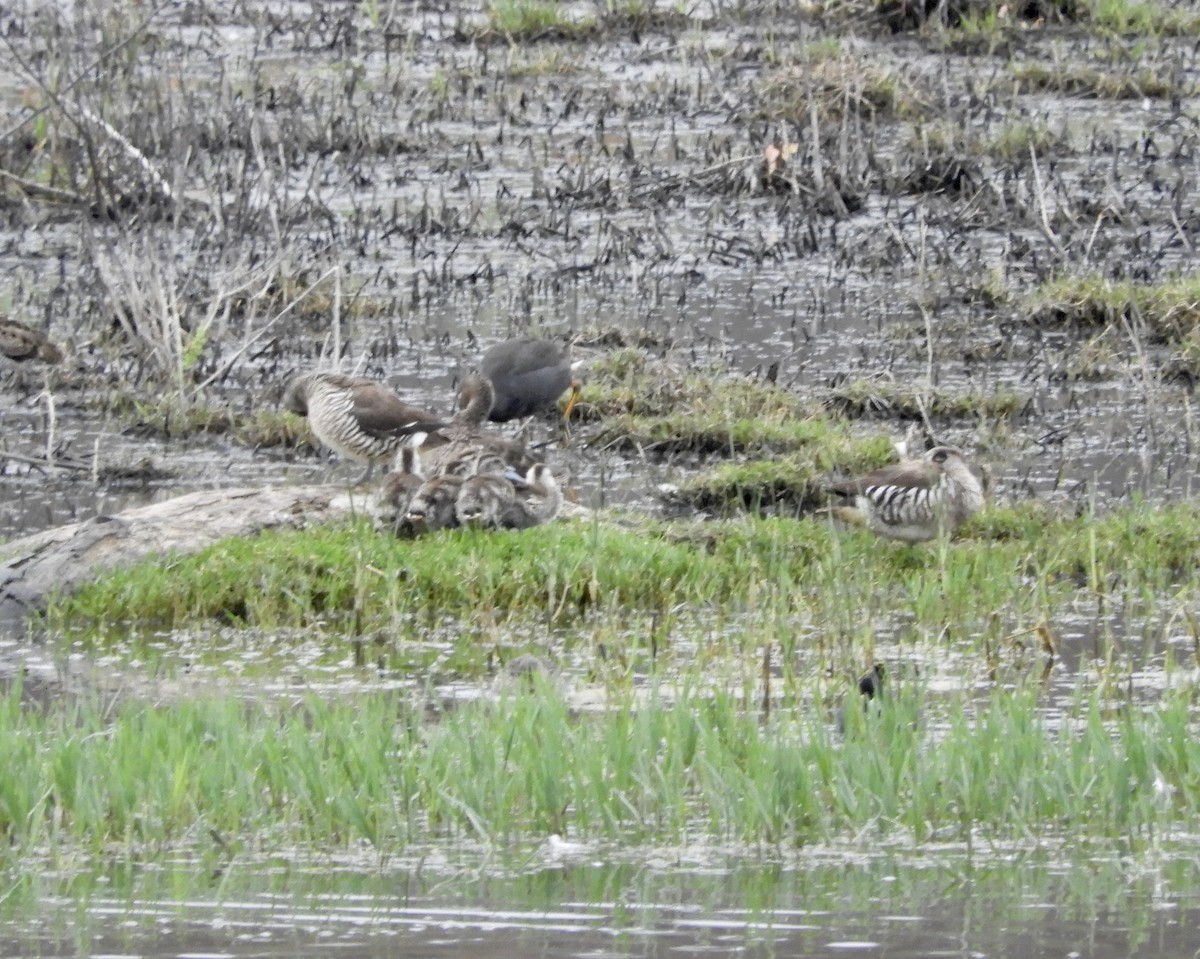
point(83, 74)
point(131, 151)
point(1041, 198)
point(57, 99)
point(228, 364)
point(51, 421)
point(45, 192)
point(57, 463)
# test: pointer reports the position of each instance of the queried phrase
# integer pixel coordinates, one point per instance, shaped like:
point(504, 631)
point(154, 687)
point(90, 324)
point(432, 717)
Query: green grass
point(534, 19)
point(1085, 81)
point(143, 780)
point(1014, 566)
point(682, 749)
point(793, 482)
point(1013, 142)
point(979, 18)
point(1143, 17)
point(880, 397)
point(652, 407)
point(726, 430)
point(835, 87)
point(171, 417)
point(1168, 311)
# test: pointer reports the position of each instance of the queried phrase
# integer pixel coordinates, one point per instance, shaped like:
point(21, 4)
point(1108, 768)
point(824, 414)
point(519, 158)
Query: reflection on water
point(1015, 904)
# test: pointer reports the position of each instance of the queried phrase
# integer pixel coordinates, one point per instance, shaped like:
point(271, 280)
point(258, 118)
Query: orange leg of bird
point(573, 400)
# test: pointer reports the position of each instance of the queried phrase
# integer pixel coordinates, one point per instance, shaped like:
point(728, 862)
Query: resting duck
point(433, 504)
point(466, 447)
point(915, 500)
point(399, 488)
point(483, 500)
point(538, 499)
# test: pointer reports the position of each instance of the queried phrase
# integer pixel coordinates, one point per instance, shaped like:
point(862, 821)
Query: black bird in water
point(870, 688)
point(870, 683)
point(528, 375)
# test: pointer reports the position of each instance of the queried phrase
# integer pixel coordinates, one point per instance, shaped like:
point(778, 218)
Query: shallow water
point(560, 900)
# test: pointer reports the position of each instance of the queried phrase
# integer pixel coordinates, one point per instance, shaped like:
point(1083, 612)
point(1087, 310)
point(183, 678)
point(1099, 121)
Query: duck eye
point(940, 456)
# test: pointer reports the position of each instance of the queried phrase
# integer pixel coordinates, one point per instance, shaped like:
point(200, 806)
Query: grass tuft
point(347, 580)
point(1085, 81)
point(881, 397)
point(1167, 311)
point(832, 87)
point(790, 484)
point(534, 20)
point(654, 407)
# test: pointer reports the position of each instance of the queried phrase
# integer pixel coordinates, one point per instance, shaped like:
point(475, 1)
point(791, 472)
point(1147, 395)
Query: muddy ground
point(198, 198)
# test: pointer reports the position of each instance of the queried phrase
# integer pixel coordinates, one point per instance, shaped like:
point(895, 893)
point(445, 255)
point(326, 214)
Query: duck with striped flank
point(356, 417)
point(915, 500)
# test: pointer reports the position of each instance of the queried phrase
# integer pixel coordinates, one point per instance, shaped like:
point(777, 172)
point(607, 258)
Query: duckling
point(538, 500)
point(433, 504)
point(484, 499)
point(399, 488)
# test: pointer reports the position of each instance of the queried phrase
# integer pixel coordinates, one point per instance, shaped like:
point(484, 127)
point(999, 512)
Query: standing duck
point(356, 417)
point(915, 500)
point(528, 375)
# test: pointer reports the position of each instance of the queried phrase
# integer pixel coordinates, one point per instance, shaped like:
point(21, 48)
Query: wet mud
point(238, 194)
